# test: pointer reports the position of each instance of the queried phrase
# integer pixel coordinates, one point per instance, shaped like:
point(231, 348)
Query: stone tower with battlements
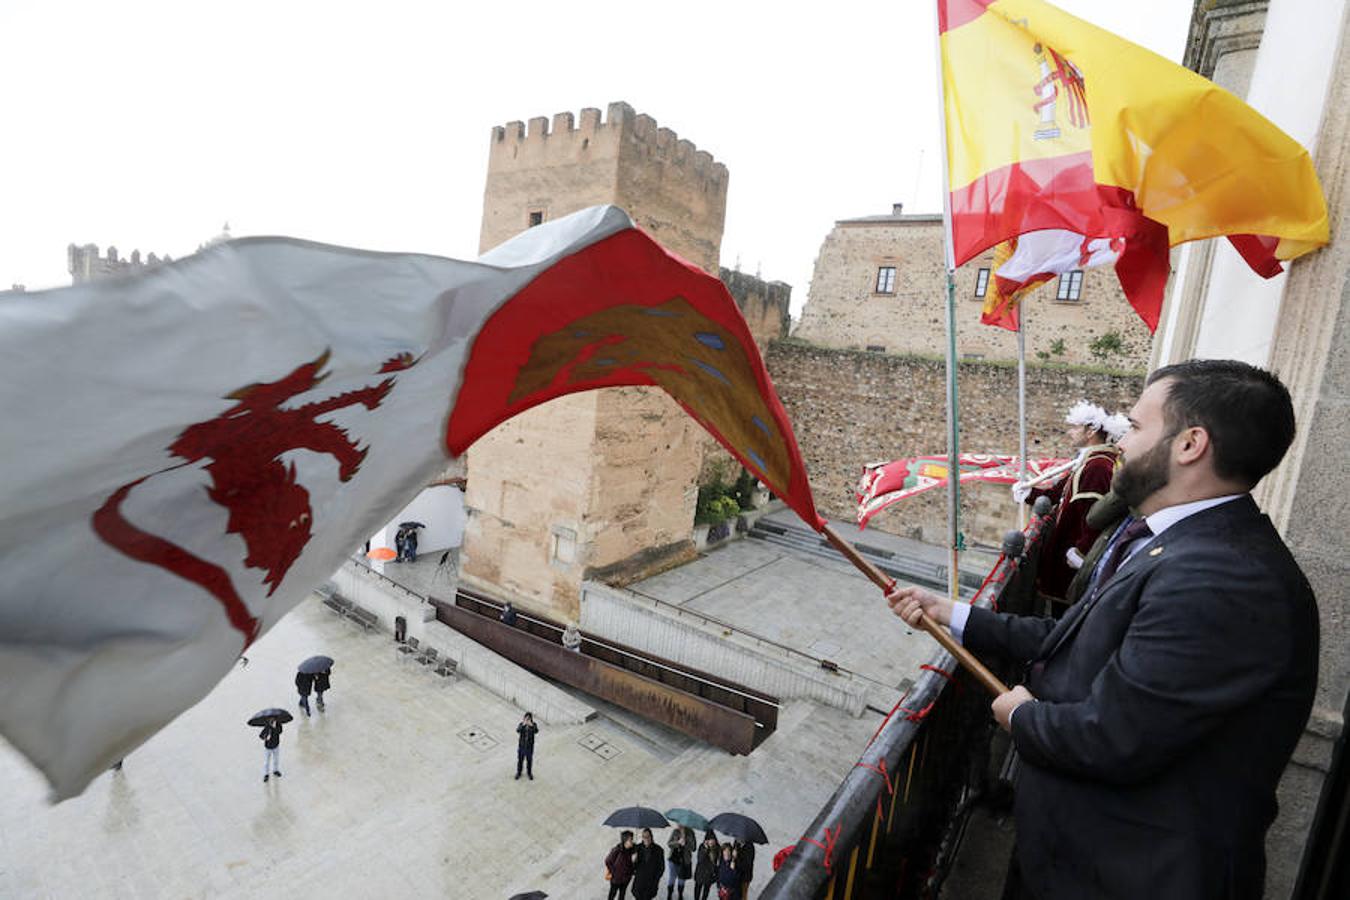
point(85, 263)
point(600, 484)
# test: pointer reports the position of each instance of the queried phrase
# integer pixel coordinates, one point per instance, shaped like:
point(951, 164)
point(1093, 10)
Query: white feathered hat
point(1085, 413)
point(1117, 424)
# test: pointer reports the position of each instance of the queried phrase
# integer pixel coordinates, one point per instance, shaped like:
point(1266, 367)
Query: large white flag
point(188, 452)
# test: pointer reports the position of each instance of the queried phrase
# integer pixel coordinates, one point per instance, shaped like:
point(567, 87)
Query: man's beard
point(1138, 479)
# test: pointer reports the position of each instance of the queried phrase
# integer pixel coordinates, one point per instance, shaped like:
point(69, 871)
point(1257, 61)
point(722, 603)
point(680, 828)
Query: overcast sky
point(148, 125)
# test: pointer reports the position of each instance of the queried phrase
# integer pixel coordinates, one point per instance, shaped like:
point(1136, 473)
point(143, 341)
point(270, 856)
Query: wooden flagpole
point(943, 637)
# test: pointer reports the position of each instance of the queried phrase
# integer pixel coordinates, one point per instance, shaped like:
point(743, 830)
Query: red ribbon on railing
point(987, 579)
point(881, 768)
point(828, 846)
point(943, 672)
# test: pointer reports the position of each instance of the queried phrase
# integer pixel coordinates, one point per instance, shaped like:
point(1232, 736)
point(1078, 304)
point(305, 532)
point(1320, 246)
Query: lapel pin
point(1156, 551)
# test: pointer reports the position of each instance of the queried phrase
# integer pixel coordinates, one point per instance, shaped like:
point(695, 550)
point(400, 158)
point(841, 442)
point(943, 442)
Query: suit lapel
point(1071, 623)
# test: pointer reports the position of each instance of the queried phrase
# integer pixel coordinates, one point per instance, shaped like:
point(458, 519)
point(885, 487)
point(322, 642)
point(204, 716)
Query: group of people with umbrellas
point(708, 863)
point(312, 675)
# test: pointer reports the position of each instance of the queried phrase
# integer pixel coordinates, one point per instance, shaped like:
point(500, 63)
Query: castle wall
point(600, 484)
point(850, 408)
point(845, 311)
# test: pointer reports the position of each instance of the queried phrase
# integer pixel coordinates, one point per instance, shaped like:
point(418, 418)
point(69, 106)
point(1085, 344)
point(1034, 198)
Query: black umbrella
point(269, 715)
point(411, 525)
point(316, 664)
point(738, 826)
point(529, 895)
point(636, 817)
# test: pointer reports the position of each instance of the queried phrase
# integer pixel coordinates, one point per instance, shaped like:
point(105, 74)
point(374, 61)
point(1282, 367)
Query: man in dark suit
point(1159, 713)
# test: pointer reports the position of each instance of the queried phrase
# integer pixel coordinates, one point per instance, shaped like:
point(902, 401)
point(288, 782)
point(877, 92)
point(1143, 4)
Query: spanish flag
point(1054, 125)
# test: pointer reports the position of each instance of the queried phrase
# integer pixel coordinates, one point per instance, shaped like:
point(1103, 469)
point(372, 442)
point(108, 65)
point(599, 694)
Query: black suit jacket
point(1169, 703)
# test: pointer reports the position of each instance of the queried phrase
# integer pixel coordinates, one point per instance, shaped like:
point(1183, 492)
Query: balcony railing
point(892, 827)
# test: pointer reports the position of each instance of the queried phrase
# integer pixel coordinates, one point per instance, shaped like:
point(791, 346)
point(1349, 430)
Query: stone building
point(600, 484)
point(879, 284)
point(85, 263)
point(1290, 59)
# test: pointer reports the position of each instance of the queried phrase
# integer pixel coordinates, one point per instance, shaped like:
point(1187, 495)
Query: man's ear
point(1190, 445)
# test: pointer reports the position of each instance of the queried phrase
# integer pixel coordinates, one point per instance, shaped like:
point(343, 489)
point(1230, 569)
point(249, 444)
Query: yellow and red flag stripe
point(1053, 123)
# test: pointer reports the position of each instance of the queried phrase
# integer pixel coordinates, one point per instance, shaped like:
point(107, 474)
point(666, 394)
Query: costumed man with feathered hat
point(1093, 433)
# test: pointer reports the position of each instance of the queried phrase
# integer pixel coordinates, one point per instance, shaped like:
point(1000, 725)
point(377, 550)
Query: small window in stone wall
point(875, 348)
point(1070, 286)
point(981, 282)
point(886, 280)
point(536, 217)
point(564, 545)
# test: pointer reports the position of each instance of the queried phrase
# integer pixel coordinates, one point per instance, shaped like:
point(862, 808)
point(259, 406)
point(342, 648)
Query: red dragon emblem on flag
point(267, 506)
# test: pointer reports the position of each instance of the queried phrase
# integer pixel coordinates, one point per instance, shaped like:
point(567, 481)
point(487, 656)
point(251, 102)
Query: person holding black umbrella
point(619, 866)
point(647, 869)
point(745, 864)
point(271, 738)
point(304, 683)
point(526, 731)
point(705, 868)
point(321, 684)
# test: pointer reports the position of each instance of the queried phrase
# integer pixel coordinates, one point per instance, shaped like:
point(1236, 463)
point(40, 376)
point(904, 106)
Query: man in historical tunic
point(1091, 432)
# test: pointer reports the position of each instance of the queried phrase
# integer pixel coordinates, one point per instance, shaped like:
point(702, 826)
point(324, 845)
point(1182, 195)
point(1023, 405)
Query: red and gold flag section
point(1056, 125)
point(884, 484)
point(623, 311)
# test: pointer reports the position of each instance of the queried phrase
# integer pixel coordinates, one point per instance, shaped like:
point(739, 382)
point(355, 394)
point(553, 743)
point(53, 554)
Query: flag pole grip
point(963, 656)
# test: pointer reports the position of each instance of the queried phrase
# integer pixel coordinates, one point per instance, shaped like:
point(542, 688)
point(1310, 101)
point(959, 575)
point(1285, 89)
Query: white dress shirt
point(1158, 522)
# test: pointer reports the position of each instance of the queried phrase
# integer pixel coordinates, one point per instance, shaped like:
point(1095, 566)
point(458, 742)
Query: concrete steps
point(906, 567)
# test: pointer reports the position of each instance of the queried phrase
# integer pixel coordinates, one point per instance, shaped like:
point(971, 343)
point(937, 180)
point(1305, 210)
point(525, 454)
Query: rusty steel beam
point(688, 713)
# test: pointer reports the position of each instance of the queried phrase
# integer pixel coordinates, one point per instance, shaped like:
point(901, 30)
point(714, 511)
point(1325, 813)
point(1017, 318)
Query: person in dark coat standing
point(525, 733)
point(619, 866)
point(728, 879)
point(745, 865)
point(647, 868)
point(705, 867)
point(321, 684)
point(1160, 713)
point(304, 683)
point(271, 738)
point(679, 855)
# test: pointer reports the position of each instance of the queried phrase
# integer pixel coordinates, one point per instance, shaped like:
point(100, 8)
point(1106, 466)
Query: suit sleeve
point(1018, 638)
point(1206, 638)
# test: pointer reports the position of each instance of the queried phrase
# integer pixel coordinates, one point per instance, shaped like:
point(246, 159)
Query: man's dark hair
point(1246, 410)
point(624, 835)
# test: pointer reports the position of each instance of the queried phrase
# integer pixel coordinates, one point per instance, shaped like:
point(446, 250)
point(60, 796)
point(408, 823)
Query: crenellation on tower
point(590, 119)
point(85, 263)
point(617, 469)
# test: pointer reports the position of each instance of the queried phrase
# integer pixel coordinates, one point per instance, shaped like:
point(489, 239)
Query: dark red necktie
point(1137, 529)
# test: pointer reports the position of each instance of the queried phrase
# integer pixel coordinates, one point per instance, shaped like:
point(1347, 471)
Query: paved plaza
point(403, 788)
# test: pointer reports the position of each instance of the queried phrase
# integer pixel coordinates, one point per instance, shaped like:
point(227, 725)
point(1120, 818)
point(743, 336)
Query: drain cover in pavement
point(599, 747)
point(477, 738)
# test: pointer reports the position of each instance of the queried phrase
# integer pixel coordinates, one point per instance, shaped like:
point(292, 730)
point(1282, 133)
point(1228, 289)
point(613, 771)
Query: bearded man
point(1159, 713)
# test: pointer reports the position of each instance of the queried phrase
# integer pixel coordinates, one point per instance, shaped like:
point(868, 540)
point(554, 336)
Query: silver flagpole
point(1022, 403)
point(953, 429)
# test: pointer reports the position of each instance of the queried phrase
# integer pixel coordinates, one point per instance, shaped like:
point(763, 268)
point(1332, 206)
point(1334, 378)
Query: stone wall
point(845, 310)
point(849, 408)
point(600, 484)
